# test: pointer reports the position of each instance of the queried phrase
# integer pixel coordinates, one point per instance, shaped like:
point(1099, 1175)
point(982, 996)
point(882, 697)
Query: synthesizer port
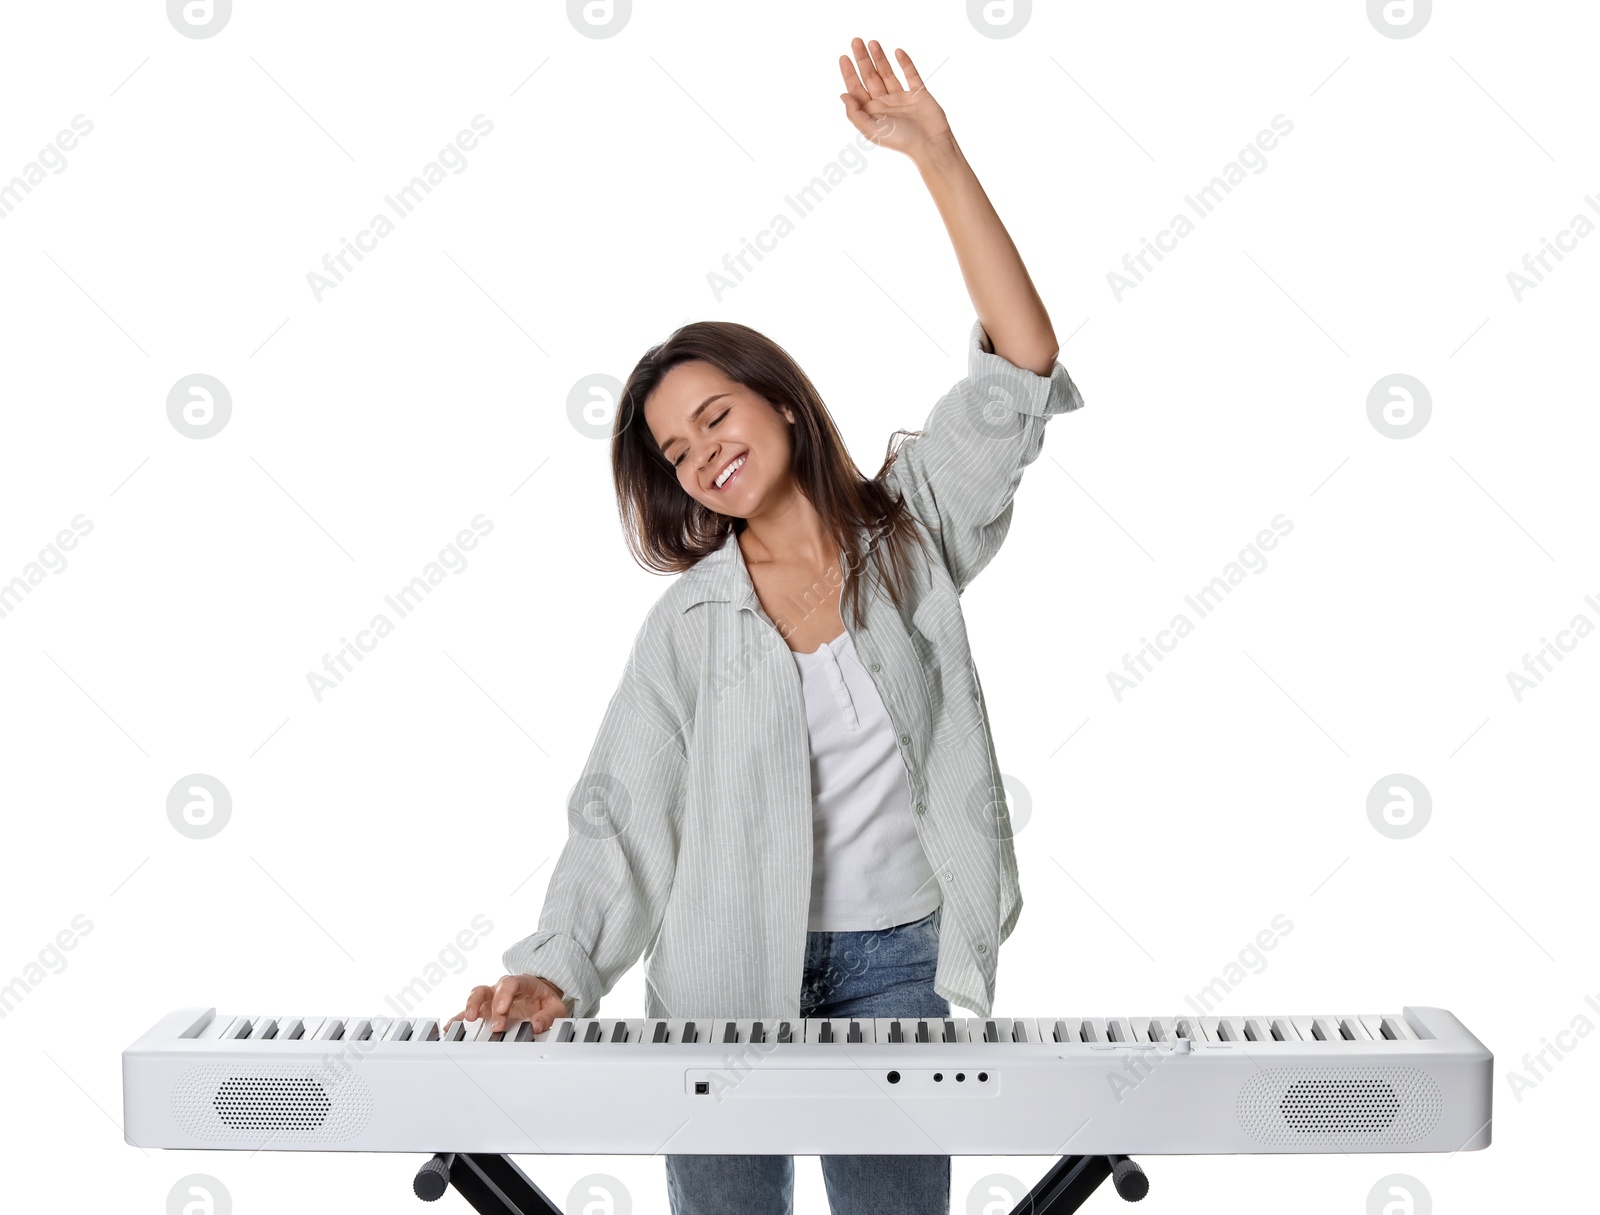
point(702, 1087)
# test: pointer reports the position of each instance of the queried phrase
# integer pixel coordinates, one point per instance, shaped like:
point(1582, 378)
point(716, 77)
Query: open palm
point(905, 118)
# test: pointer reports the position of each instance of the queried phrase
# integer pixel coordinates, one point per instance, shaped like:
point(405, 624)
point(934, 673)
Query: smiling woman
point(717, 425)
point(797, 763)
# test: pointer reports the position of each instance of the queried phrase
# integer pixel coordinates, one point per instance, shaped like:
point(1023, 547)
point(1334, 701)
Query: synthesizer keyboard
point(1412, 1081)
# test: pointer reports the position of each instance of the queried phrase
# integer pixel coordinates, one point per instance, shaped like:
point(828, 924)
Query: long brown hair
point(668, 531)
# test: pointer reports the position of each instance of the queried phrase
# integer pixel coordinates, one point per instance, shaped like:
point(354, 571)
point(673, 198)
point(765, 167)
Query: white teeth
point(728, 472)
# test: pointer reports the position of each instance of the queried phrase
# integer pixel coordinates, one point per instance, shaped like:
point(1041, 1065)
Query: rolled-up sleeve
point(961, 474)
point(609, 888)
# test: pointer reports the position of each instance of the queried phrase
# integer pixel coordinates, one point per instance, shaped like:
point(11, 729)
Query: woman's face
point(705, 423)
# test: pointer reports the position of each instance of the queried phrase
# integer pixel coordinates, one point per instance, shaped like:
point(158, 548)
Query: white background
point(1163, 831)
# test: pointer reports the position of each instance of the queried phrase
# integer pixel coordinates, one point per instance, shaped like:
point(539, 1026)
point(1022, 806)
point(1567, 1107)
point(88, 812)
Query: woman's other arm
point(908, 120)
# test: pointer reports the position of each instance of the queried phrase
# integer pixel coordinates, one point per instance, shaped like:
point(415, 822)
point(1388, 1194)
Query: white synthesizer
point(1414, 1081)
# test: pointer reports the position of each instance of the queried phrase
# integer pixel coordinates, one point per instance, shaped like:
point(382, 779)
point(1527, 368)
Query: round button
point(876, 667)
point(983, 949)
point(905, 739)
point(920, 810)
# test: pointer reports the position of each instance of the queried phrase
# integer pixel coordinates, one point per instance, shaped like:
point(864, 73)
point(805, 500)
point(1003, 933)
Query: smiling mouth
point(737, 466)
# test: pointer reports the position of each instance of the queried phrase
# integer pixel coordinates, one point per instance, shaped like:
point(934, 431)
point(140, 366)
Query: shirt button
point(983, 949)
point(920, 810)
point(875, 667)
point(905, 740)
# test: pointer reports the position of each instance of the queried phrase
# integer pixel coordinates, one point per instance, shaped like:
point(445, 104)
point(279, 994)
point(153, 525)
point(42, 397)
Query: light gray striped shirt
point(689, 830)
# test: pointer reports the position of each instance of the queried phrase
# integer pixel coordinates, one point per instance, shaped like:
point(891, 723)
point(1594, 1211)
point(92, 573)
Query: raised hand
point(904, 118)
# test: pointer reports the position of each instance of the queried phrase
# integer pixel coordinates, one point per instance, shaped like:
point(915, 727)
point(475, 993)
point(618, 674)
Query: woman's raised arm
point(907, 119)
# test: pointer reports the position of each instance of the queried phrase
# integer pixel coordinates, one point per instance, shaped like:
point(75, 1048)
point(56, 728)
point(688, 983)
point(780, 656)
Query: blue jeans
point(878, 973)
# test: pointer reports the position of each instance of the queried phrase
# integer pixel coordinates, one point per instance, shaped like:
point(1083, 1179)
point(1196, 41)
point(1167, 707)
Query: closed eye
point(718, 418)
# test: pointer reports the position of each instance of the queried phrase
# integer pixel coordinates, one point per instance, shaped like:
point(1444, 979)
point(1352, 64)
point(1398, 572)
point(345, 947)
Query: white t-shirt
point(868, 869)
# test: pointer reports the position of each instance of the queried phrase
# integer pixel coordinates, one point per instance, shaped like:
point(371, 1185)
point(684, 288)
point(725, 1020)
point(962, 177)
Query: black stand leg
point(493, 1184)
point(1071, 1180)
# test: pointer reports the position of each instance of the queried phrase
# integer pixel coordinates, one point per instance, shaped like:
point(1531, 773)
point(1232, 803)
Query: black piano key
point(757, 1034)
point(524, 1032)
point(661, 1032)
point(855, 1032)
point(989, 1034)
point(731, 1033)
point(619, 1032)
point(922, 1032)
point(827, 1032)
point(894, 1032)
point(949, 1031)
point(784, 1032)
point(1019, 1032)
point(1062, 1034)
point(566, 1034)
point(592, 1034)
point(688, 1031)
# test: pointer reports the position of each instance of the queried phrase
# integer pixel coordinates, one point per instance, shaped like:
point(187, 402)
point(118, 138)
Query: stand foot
point(1071, 1180)
point(492, 1183)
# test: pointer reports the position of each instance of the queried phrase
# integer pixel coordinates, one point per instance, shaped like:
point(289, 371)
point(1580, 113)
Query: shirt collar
point(721, 577)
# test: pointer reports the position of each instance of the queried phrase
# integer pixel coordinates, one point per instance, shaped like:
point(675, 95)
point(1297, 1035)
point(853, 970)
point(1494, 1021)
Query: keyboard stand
point(1072, 1179)
point(492, 1183)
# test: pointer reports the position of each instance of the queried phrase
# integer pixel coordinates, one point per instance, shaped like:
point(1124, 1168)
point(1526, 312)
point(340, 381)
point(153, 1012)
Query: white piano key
point(263, 1028)
point(330, 1030)
point(1400, 1030)
point(1373, 1023)
point(359, 1029)
point(1278, 1028)
point(398, 1031)
point(1352, 1025)
point(1094, 1031)
point(425, 1030)
point(456, 1031)
point(1228, 1029)
point(219, 1027)
point(1324, 1029)
point(380, 1026)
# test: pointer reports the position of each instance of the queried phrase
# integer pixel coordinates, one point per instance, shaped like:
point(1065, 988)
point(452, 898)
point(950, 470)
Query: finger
point(869, 73)
point(885, 69)
point(852, 81)
point(503, 992)
point(913, 79)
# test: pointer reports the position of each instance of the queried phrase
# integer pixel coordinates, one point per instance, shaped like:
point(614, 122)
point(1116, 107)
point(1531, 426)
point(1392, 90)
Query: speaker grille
point(1357, 1106)
point(287, 1104)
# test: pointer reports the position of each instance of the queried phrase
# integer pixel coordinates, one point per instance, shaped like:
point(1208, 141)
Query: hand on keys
point(515, 998)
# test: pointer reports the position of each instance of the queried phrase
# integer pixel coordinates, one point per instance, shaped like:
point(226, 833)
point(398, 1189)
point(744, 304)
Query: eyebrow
point(694, 417)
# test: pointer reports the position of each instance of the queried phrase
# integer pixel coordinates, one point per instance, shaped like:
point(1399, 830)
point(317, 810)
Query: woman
point(795, 818)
